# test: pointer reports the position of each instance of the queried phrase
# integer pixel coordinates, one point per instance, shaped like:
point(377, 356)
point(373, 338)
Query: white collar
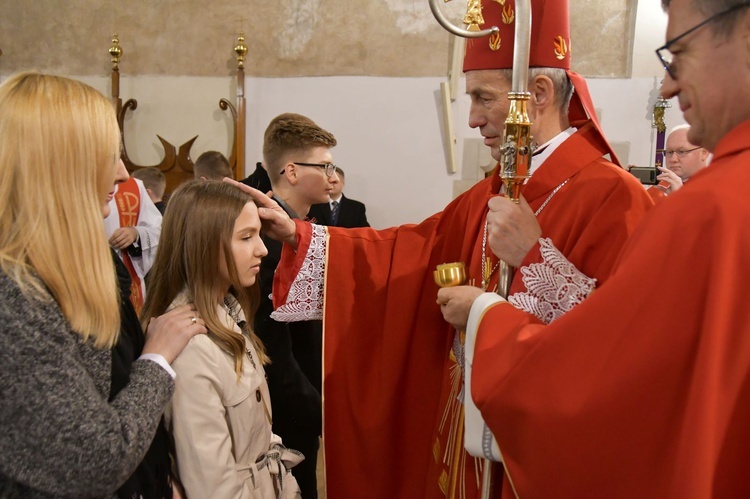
point(338, 200)
point(548, 148)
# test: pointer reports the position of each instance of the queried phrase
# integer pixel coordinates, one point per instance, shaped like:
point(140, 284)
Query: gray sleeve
point(59, 433)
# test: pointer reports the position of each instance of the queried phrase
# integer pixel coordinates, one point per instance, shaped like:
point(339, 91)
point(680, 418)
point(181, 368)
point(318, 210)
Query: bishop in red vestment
point(392, 383)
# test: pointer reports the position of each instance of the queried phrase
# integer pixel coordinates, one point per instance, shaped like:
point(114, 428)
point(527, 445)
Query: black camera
point(646, 174)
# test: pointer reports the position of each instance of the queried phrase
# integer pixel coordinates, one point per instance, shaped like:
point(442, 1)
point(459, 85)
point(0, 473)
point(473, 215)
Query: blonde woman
point(59, 301)
point(220, 415)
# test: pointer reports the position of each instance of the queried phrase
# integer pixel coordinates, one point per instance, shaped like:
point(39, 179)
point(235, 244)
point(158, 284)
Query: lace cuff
point(553, 286)
point(305, 299)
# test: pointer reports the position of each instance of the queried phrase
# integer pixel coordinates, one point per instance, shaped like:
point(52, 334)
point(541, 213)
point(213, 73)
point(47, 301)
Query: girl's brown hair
point(196, 233)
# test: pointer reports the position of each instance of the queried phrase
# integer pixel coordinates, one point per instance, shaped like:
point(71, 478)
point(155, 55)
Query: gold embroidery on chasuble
point(453, 459)
point(460, 473)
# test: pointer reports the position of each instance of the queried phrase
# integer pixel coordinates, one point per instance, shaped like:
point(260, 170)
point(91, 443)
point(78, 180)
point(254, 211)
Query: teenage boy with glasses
point(297, 156)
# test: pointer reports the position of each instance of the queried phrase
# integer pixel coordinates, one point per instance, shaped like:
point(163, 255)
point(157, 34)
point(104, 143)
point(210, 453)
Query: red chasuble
point(643, 390)
point(657, 192)
point(387, 361)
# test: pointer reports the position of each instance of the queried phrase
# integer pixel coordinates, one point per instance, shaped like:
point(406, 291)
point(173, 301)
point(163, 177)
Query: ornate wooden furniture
point(176, 164)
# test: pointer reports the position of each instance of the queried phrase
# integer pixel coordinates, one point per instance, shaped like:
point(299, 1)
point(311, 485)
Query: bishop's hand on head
point(276, 223)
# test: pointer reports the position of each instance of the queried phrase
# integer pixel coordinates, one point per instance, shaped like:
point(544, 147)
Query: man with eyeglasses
point(297, 156)
point(682, 160)
point(643, 389)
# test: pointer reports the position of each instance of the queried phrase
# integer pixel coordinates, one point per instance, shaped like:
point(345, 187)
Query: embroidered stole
point(128, 199)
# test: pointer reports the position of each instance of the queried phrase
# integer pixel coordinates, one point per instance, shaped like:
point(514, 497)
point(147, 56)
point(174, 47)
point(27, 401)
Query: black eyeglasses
point(665, 55)
point(679, 152)
point(328, 168)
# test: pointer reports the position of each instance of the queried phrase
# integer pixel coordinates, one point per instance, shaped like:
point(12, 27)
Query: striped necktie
point(334, 212)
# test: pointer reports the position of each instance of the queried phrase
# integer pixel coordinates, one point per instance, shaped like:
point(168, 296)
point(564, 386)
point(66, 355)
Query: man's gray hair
point(560, 81)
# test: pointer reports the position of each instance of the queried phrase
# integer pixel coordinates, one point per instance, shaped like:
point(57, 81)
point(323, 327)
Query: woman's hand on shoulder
point(168, 334)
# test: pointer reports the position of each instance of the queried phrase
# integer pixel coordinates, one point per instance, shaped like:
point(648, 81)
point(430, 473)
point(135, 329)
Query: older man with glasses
point(682, 160)
point(643, 390)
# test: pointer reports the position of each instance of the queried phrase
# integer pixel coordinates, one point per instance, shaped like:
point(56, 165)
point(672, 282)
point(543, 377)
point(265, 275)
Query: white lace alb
point(553, 286)
point(305, 300)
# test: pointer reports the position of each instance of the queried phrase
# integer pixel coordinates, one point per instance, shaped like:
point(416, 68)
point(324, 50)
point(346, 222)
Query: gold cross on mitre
point(473, 18)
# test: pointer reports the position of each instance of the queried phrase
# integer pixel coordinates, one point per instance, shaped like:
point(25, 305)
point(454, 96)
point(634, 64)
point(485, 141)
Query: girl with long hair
point(220, 415)
point(60, 434)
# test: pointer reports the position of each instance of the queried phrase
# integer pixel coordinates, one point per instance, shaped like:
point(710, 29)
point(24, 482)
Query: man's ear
point(704, 155)
point(290, 172)
point(542, 92)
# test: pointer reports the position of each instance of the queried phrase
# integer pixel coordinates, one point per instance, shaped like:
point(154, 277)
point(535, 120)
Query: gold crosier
point(660, 108)
point(516, 150)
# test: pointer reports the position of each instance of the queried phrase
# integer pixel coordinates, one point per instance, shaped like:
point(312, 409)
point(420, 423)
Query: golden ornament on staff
point(516, 148)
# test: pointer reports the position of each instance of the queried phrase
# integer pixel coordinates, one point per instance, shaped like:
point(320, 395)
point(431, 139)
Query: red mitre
point(550, 48)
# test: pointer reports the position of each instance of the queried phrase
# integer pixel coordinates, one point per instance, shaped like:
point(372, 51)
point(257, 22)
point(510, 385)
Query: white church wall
point(389, 129)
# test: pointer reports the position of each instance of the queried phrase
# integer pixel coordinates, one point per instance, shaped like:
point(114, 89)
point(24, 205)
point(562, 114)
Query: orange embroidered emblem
point(495, 41)
point(508, 14)
point(561, 48)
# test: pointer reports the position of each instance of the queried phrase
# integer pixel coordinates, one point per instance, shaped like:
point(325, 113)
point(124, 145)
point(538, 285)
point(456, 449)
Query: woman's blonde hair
point(59, 147)
point(195, 234)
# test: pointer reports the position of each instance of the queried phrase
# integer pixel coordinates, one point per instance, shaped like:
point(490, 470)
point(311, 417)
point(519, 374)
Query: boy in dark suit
point(339, 211)
point(297, 157)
